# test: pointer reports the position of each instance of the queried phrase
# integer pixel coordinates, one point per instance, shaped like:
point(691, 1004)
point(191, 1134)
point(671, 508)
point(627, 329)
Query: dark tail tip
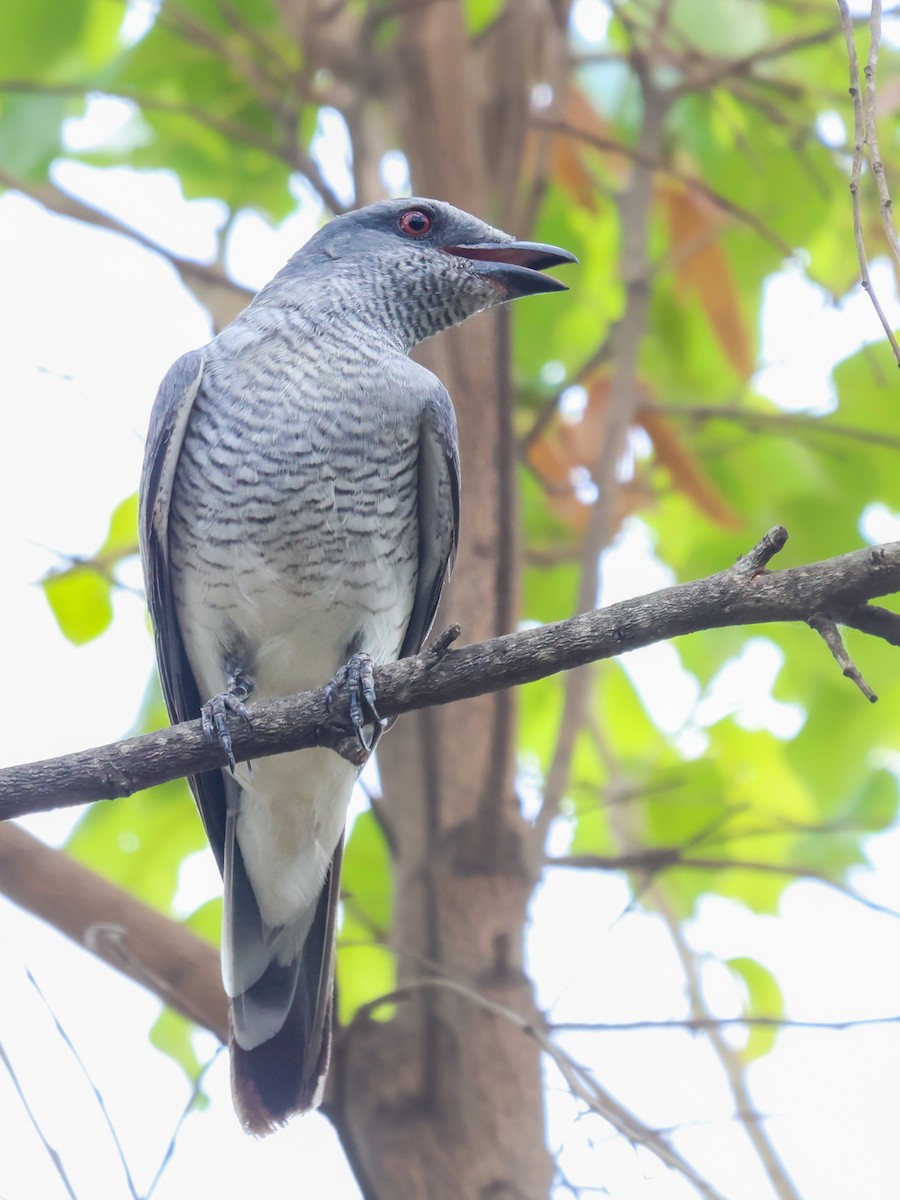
point(281, 1077)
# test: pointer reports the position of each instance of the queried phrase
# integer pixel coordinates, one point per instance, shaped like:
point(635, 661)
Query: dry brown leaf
point(563, 448)
point(569, 156)
point(686, 472)
point(702, 265)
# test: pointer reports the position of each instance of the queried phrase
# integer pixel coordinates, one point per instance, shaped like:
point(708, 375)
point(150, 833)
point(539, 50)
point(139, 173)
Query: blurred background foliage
point(750, 181)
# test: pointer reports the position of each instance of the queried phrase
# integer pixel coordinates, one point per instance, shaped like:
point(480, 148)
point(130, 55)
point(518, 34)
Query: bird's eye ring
point(415, 223)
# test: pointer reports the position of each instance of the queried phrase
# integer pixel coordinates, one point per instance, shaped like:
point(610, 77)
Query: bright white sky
point(93, 323)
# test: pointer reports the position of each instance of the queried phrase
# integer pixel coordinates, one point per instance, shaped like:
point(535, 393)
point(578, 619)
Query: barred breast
point(293, 531)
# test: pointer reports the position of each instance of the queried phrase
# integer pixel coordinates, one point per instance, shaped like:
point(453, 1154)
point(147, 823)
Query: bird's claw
point(214, 713)
point(358, 676)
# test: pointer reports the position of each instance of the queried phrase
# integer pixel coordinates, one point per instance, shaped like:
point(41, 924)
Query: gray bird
point(299, 509)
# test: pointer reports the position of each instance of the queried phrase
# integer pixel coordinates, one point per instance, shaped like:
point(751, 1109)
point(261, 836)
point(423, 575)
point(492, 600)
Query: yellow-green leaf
point(763, 999)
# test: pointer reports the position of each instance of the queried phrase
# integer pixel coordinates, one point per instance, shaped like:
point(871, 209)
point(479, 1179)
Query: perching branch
point(743, 594)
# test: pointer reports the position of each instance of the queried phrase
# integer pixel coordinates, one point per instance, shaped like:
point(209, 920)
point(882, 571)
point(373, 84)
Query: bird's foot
point(358, 676)
point(214, 713)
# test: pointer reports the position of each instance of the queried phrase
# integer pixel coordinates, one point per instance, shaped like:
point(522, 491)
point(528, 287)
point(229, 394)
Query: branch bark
point(145, 945)
point(224, 298)
point(743, 594)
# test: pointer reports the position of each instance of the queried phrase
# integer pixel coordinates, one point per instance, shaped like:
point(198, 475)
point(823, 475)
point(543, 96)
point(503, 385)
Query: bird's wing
point(168, 422)
point(438, 492)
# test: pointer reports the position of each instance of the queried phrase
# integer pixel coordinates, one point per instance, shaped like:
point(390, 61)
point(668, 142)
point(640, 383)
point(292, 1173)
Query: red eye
point(415, 223)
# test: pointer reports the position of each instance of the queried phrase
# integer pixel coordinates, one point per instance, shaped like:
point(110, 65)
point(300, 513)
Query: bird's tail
point(282, 1022)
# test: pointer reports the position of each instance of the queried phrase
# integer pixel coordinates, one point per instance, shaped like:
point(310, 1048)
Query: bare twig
point(729, 1059)
point(579, 1080)
point(871, 69)
point(695, 1024)
point(634, 210)
point(98, 1095)
point(222, 296)
point(831, 635)
point(635, 154)
point(859, 142)
point(52, 1152)
point(757, 559)
point(624, 831)
point(285, 146)
point(778, 422)
point(179, 1125)
point(875, 620)
point(652, 860)
point(716, 72)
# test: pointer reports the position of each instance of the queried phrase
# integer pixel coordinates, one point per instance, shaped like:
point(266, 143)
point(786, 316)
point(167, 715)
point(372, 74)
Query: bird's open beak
point(515, 266)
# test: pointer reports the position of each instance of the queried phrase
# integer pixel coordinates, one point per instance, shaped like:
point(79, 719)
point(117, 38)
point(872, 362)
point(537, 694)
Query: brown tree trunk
point(445, 1099)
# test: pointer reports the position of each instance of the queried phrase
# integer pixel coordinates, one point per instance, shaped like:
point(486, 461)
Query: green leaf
point(122, 538)
point(763, 999)
point(80, 598)
point(367, 884)
point(81, 595)
point(481, 13)
point(206, 921)
point(364, 973)
point(30, 132)
point(366, 968)
point(36, 35)
point(140, 841)
point(171, 1034)
point(540, 711)
point(726, 29)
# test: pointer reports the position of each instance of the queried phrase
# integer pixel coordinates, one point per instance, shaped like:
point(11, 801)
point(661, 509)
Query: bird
point(299, 514)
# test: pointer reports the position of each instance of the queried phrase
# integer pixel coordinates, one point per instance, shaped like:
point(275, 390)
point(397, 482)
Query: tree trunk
point(445, 1099)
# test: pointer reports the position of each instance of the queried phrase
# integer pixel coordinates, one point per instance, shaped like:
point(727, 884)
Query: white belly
point(293, 806)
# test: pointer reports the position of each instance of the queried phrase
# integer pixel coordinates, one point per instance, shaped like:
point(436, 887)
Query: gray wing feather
point(168, 423)
point(438, 492)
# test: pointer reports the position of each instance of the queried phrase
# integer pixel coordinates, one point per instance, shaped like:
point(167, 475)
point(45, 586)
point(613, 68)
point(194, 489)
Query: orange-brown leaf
point(685, 470)
point(701, 265)
point(570, 156)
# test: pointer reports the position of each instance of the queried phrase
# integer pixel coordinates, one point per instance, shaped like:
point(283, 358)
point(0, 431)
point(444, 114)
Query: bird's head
point(423, 265)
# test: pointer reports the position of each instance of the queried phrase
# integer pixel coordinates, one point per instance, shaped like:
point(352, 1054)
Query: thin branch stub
point(831, 635)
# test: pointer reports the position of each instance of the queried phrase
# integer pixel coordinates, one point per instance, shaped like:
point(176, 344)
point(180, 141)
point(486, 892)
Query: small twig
point(871, 68)
point(579, 1080)
point(438, 647)
point(98, 1096)
point(732, 1066)
point(692, 182)
point(859, 142)
point(716, 72)
point(666, 860)
point(52, 1152)
point(775, 421)
point(831, 635)
point(877, 621)
point(635, 207)
point(213, 288)
point(754, 562)
point(700, 1023)
point(179, 1124)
